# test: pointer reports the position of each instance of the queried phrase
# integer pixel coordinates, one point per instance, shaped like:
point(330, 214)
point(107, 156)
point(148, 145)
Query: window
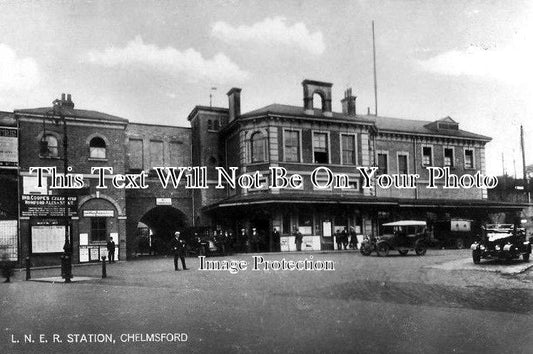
point(383, 163)
point(215, 125)
point(448, 157)
point(320, 148)
point(97, 148)
point(292, 145)
point(209, 125)
point(257, 147)
point(136, 154)
point(156, 154)
point(402, 164)
point(348, 149)
point(49, 146)
point(427, 156)
point(98, 229)
point(469, 158)
point(177, 153)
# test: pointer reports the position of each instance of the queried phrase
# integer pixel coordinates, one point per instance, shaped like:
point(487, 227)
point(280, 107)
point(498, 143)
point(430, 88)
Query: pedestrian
point(276, 241)
point(178, 247)
point(298, 238)
point(353, 238)
point(111, 250)
point(245, 242)
point(344, 237)
point(255, 240)
point(338, 239)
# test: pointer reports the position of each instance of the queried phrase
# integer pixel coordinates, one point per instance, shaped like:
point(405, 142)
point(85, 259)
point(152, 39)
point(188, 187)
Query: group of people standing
point(341, 238)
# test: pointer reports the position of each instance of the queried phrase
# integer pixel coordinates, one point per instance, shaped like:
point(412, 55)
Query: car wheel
point(420, 248)
point(366, 250)
point(476, 256)
point(383, 249)
point(403, 252)
point(525, 257)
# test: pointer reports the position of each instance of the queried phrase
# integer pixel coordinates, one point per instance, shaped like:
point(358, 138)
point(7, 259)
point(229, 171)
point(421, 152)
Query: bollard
point(68, 269)
point(104, 271)
point(28, 265)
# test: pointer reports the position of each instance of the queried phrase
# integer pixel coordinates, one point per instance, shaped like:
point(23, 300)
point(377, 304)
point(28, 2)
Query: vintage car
point(501, 241)
point(403, 236)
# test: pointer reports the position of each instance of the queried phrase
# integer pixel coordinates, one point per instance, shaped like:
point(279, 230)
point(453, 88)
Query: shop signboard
point(163, 201)
point(47, 205)
point(98, 213)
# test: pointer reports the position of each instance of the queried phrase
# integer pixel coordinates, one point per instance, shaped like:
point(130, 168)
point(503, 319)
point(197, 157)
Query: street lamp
point(66, 259)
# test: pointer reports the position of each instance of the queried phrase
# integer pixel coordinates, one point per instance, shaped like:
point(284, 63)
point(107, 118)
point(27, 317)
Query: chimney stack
point(67, 102)
point(234, 98)
point(348, 103)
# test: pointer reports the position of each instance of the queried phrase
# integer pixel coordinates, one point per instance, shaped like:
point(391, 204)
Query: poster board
point(47, 238)
point(8, 239)
point(84, 254)
point(84, 239)
point(326, 228)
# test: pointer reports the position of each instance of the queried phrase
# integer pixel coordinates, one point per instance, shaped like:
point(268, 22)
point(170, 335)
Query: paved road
point(431, 304)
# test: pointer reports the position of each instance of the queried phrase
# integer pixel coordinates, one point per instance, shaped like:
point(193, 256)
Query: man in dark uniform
point(178, 247)
point(275, 241)
point(111, 250)
point(298, 238)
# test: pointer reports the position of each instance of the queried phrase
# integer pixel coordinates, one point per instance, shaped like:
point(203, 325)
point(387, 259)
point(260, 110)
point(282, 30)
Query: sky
point(153, 61)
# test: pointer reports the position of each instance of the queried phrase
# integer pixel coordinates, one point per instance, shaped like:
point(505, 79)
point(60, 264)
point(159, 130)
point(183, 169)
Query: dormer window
point(97, 148)
point(447, 126)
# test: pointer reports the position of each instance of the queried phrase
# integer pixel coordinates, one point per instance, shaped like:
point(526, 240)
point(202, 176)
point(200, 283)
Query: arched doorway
point(156, 229)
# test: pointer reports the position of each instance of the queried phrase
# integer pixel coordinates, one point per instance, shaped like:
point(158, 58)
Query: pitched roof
point(421, 127)
point(75, 113)
point(287, 110)
point(382, 123)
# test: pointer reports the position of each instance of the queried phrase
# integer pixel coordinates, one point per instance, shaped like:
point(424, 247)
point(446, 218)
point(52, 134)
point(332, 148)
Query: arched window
point(97, 148)
point(257, 147)
point(318, 99)
point(49, 146)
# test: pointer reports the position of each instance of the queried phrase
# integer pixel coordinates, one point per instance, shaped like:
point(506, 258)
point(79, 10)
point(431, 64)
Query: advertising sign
point(47, 205)
point(8, 147)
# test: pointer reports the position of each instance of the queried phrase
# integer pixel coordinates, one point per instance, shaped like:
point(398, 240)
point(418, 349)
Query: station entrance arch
point(156, 229)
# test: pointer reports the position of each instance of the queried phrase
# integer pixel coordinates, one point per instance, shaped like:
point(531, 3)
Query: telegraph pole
point(526, 182)
point(375, 75)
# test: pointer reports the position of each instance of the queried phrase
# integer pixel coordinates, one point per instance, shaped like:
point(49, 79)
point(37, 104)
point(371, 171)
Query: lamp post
point(67, 247)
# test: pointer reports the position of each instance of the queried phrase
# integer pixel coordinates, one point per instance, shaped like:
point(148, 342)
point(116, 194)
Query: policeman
point(178, 247)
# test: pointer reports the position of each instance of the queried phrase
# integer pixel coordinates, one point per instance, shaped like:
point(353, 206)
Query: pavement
point(437, 303)
point(511, 267)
